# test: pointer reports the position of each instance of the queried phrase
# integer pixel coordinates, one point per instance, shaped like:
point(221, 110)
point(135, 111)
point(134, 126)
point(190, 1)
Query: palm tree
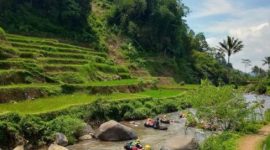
point(266, 61)
point(231, 46)
point(247, 63)
point(256, 70)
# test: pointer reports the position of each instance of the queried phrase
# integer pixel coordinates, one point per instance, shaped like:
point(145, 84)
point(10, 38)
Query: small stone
point(85, 137)
point(61, 139)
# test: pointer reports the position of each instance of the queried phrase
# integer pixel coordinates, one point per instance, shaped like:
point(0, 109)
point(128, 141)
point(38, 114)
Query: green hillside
point(70, 62)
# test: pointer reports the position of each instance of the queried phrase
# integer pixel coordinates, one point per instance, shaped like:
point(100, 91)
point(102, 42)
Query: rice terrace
point(134, 75)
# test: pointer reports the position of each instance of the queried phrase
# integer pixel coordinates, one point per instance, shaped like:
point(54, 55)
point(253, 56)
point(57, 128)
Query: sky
point(248, 20)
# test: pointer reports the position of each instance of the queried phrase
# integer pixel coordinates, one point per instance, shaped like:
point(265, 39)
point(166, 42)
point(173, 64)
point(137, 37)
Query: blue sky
point(248, 20)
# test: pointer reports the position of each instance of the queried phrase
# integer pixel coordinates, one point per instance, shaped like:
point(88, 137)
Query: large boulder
point(180, 142)
point(56, 147)
point(114, 131)
point(61, 139)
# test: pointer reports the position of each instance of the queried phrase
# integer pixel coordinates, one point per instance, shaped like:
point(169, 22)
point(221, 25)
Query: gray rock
point(85, 137)
point(61, 139)
point(56, 147)
point(87, 130)
point(180, 142)
point(114, 131)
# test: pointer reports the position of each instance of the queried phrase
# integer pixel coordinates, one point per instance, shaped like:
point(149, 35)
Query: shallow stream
point(157, 138)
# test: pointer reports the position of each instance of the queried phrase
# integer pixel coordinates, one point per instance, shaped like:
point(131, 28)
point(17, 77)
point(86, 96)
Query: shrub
point(32, 128)
point(89, 71)
point(249, 127)
point(266, 143)
point(251, 88)
point(267, 115)
point(8, 134)
point(65, 124)
point(138, 113)
point(261, 88)
point(224, 141)
point(71, 78)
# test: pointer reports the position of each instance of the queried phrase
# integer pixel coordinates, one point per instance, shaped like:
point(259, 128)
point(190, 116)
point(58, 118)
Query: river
point(157, 138)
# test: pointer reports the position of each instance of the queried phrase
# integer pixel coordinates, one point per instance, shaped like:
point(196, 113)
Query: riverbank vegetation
point(40, 127)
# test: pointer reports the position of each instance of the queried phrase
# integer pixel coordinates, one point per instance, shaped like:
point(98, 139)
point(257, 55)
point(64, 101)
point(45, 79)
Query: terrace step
point(62, 61)
point(15, 64)
point(41, 41)
point(20, 45)
point(18, 76)
point(20, 92)
point(111, 69)
point(61, 68)
point(27, 92)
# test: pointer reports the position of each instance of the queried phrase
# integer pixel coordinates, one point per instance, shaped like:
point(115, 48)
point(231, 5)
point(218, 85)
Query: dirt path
point(252, 142)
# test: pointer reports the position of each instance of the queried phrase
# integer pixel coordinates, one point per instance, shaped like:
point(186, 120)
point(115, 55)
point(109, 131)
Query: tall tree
point(266, 61)
point(247, 63)
point(258, 71)
point(231, 46)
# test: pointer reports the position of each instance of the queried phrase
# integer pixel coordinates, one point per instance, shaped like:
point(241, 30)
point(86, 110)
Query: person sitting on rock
point(157, 125)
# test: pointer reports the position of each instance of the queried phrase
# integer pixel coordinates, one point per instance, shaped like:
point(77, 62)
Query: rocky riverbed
point(156, 138)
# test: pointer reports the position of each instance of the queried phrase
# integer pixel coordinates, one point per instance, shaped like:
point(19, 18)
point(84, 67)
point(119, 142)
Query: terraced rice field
point(56, 103)
point(45, 75)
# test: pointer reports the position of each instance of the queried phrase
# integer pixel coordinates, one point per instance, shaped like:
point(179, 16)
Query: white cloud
point(212, 7)
point(219, 18)
point(257, 45)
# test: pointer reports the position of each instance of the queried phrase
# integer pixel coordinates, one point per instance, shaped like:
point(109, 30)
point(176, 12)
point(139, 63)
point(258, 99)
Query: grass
point(62, 61)
point(53, 42)
point(44, 105)
point(162, 93)
point(53, 48)
point(266, 143)
point(56, 103)
point(178, 86)
point(115, 82)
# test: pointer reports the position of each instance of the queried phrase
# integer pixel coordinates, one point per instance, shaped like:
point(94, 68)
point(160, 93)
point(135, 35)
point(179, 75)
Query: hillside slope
point(34, 67)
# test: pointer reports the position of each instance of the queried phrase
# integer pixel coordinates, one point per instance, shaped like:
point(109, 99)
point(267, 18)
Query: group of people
point(153, 123)
point(136, 145)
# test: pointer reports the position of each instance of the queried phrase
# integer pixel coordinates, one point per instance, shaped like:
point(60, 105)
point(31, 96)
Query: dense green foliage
point(223, 108)
point(267, 115)
point(259, 88)
point(224, 141)
point(266, 143)
point(36, 130)
point(155, 25)
point(67, 18)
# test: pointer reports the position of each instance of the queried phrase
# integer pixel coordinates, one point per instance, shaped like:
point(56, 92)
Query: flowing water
point(264, 100)
point(157, 138)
